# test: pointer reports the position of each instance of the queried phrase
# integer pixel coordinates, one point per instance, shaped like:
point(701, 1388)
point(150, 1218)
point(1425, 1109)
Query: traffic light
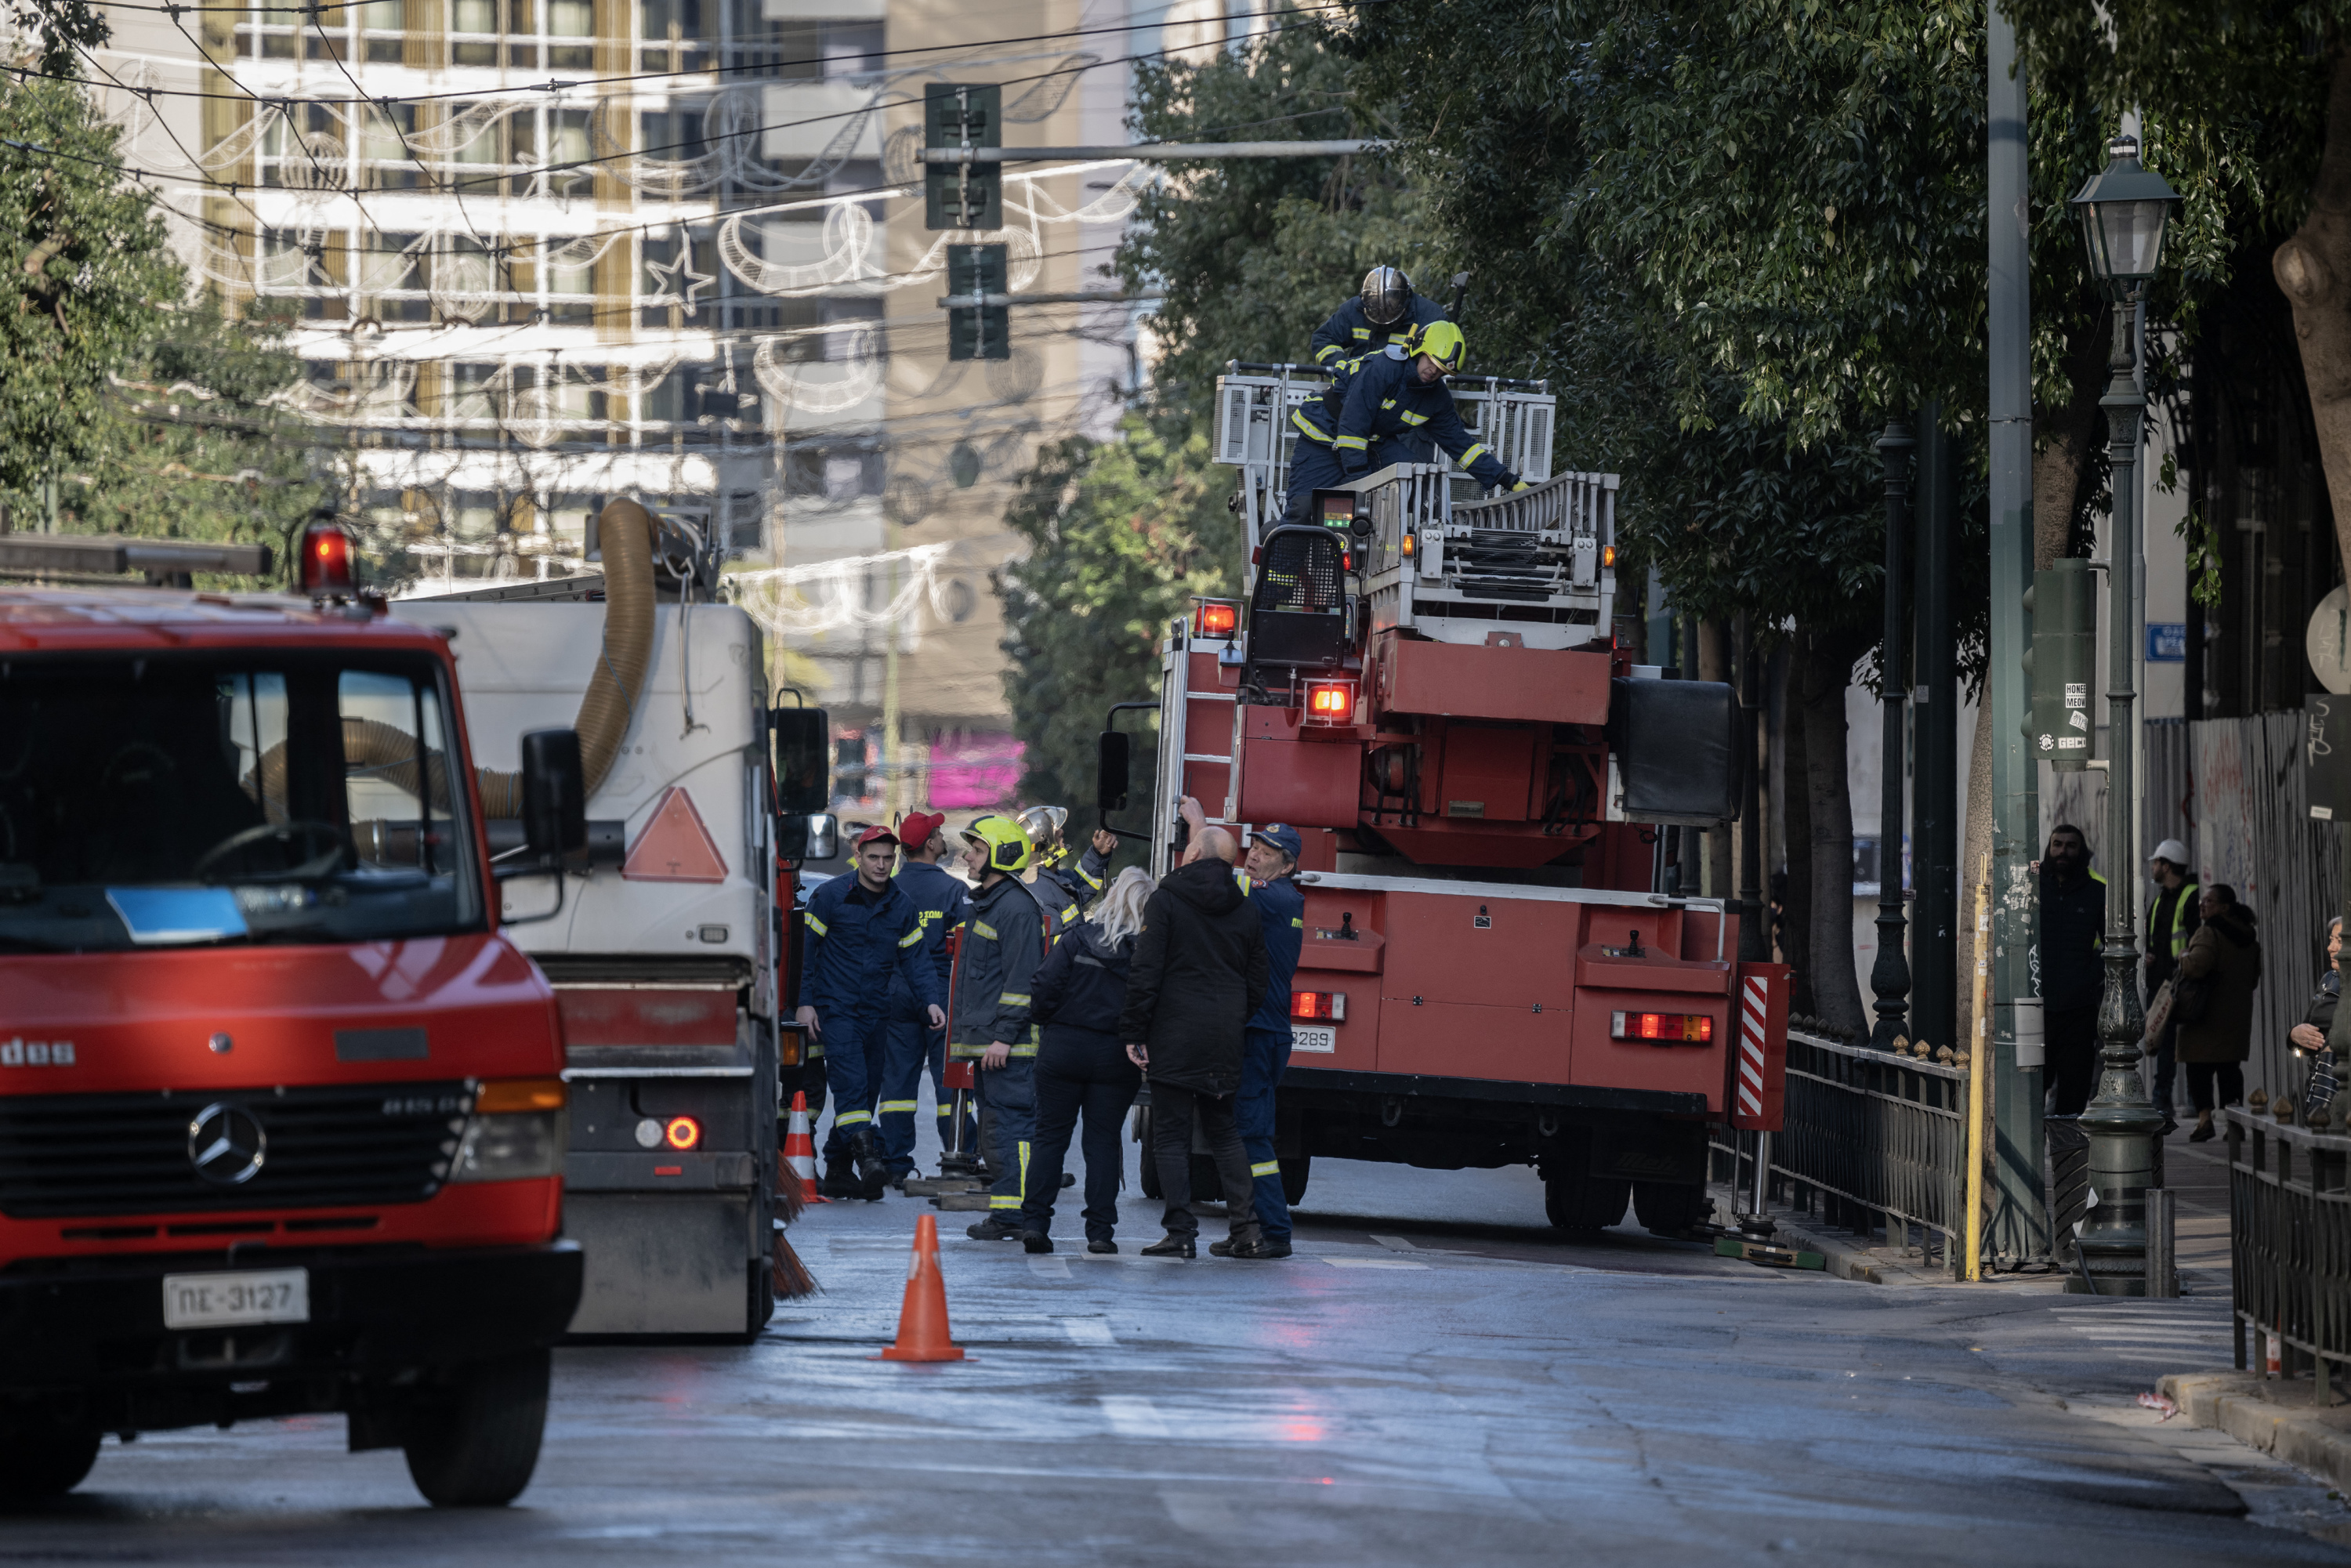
point(983, 328)
point(2063, 663)
point(959, 115)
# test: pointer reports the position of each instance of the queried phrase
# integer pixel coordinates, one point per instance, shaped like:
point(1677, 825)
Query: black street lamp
point(2124, 211)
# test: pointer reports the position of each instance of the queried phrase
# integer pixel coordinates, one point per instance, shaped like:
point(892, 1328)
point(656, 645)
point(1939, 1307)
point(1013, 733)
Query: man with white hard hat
point(2171, 920)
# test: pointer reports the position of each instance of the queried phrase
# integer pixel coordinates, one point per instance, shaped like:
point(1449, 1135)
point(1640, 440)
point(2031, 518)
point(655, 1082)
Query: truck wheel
point(36, 1466)
point(1573, 1201)
point(1670, 1209)
point(1293, 1178)
point(478, 1450)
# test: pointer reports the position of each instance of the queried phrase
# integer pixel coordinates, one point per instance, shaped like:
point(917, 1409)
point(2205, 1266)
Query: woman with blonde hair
point(1082, 1064)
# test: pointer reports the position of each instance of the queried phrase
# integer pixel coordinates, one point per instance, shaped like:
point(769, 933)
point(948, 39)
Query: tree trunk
point(2313, 270)
point(1796, 937)
point(1714, 665)
point(2067, 437)
point(1828, 669)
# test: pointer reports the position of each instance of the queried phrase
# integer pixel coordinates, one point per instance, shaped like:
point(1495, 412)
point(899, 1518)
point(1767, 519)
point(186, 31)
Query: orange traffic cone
point(800, 1150)
point(922, 1320)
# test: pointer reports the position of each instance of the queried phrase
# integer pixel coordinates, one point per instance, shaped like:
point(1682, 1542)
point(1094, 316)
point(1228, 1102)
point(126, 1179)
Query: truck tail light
point(1329, 1005)
point(1215, 617)
point(327, 560)
point(1329, 701)
point(682, 1132)
point(1663, 1029)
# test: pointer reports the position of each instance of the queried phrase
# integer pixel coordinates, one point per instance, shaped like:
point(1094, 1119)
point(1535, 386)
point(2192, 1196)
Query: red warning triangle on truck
point(675, 846)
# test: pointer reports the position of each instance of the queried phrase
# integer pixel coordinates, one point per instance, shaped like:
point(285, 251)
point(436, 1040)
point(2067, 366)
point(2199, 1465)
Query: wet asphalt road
point(1434, 1379)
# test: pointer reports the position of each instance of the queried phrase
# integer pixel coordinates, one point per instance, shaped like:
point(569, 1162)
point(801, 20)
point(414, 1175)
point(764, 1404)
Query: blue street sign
point(2167, 641)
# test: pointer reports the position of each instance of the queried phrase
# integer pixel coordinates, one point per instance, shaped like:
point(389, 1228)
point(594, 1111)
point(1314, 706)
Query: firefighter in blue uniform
point(1386, 312)
point(942, 902)
point(1376, 403)
point(1272, 856)
point(1065, 890)
point(1004, 944)
point(862, 929)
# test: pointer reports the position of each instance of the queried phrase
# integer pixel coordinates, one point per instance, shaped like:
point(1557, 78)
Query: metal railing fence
point(1869, 1139)
point(2290, 1240)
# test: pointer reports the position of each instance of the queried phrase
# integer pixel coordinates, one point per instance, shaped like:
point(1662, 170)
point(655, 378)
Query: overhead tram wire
point(176, 12)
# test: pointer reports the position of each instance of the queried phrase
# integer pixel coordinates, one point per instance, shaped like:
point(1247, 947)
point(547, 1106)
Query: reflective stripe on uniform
point(1266, 1167)
point(1411, 418)
point(849, 1118)
point(1361, 334)
point(982, 929)
point(911, 938)
point(1297, 923)
point(1308, 428)
point(1351, 443)
point(1474, 454)
point(1024, 1169)
point(1389, 403)
point(815, 924)
point(1003, 1200)
point(1012, 999)
point(894, 1107)
point(1325, 352)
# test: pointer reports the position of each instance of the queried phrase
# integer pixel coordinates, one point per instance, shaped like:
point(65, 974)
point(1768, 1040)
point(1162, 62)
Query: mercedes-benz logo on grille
point(226, 1145)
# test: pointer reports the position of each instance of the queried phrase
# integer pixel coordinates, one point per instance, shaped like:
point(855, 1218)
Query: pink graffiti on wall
point(968, 770)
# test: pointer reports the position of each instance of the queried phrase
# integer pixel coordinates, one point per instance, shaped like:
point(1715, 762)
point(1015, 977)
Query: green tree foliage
point(130, 403)
point(1254, 254)
point(1122, 534)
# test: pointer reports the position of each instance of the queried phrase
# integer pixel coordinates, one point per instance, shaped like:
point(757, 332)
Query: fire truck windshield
point(177, 800)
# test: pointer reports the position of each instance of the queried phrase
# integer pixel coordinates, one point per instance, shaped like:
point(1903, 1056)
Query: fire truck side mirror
point(807, 836)
point(1112, 771)
point(554, 797)
point(803, 737)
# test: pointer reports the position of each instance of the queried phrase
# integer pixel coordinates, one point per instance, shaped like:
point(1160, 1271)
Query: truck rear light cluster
point(1325, 1006)
point(682, 1132)
point(1216, 617)
point(1329, 701)
point(1665, 1029)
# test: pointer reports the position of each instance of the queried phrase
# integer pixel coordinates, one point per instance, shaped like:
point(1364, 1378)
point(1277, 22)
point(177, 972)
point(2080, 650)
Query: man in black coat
point(2073, 936)
point(1200, 970)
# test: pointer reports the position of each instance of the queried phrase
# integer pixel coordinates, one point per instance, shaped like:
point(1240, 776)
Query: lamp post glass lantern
point(2124, 211)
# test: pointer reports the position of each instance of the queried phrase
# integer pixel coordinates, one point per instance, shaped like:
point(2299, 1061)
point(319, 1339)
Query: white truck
point(663, 948)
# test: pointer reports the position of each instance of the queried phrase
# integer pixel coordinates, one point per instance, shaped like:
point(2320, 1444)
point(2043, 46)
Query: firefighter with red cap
point(941, 902)
point(862, 930)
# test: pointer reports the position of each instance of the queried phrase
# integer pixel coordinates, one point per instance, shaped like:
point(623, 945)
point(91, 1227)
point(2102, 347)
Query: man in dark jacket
point(1282, 911)
point(2170, 923)
point(1199, 971)
point(2073, 935)
point(1003, 943)
point(862, 930)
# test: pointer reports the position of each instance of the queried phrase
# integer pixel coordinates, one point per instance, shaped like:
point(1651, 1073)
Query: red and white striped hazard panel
point(1760, 1070)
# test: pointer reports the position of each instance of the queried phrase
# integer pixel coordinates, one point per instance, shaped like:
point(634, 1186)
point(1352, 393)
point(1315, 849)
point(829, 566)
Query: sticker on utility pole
point(675, 846)
point(2330, 631)
point(2077, 695)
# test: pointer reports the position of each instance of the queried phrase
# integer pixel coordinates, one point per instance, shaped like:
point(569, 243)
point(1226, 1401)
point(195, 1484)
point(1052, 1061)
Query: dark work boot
point(1172, 1246)
point(995, 1227)
point(873, 1174)
point(1036, 1241)
point(839, 1180)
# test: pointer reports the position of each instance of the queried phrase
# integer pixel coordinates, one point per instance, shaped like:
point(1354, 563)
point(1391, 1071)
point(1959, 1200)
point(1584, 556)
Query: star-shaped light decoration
point(673, 274)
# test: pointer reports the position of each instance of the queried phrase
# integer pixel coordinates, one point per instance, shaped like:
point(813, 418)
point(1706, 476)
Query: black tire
point(1573, 1201)
point(478, 1448)
point(1293, 1178)
point(42, 1466)
point(1670, 1209)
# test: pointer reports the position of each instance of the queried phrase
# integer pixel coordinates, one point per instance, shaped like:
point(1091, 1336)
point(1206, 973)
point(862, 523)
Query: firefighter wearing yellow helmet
point(1004, 944)
point(1377, 404)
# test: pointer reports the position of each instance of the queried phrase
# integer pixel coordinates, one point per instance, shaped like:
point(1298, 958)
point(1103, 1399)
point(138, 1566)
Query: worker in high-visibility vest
point(2170, 921)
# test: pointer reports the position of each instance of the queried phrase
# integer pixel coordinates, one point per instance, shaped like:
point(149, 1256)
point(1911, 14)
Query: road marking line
point(1374, 1263)
point(1395, 1244)
point(1088, 1331)
point(1050, 1267)
point(1133, 1416)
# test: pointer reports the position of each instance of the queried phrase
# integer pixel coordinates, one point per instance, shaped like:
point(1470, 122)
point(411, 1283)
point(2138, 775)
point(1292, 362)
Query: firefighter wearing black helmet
point(1387, 312)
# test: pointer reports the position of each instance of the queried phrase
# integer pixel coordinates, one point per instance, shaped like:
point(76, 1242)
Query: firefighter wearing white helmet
point(1063, 890)
point(1387, 312)
point(1376, 404)
point(1003, 943)
point(2171, 920)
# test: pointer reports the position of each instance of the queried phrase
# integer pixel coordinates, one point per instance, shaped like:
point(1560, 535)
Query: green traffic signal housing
point(968, 195)
point(2063, 665)
point(983, 328)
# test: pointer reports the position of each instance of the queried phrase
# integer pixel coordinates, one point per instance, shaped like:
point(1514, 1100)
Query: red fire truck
point(281, 1113)
point(1425, 685)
